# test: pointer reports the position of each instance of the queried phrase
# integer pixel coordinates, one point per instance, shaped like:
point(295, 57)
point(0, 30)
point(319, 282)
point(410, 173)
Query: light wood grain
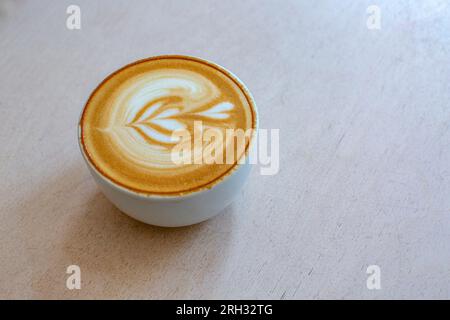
point(364, 119)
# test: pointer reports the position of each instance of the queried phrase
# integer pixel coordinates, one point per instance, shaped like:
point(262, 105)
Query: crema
point(140, 114)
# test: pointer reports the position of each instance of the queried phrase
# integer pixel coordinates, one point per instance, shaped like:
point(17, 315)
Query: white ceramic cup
point(175, 211)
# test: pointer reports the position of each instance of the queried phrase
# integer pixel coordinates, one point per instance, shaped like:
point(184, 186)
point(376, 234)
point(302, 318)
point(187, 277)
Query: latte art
point(129, 125)
point(146, 114)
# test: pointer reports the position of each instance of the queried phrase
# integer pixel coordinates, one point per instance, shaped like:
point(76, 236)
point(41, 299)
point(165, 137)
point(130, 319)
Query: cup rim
point(162, 197)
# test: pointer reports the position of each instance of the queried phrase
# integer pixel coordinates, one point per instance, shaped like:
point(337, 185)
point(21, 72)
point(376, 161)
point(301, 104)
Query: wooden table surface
point(364, 119)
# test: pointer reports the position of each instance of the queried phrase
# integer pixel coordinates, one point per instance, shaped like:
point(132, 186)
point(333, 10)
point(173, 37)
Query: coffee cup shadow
point(120, 257)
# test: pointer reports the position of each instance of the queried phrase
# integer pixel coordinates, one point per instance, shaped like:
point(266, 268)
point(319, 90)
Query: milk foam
point(129, 121)
point(149, 109)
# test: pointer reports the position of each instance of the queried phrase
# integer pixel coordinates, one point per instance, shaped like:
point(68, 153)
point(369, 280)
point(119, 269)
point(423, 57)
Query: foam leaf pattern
point(157, 120)
point(218, 111)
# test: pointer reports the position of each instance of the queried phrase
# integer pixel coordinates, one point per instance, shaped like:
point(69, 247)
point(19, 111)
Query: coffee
point(129, 124)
